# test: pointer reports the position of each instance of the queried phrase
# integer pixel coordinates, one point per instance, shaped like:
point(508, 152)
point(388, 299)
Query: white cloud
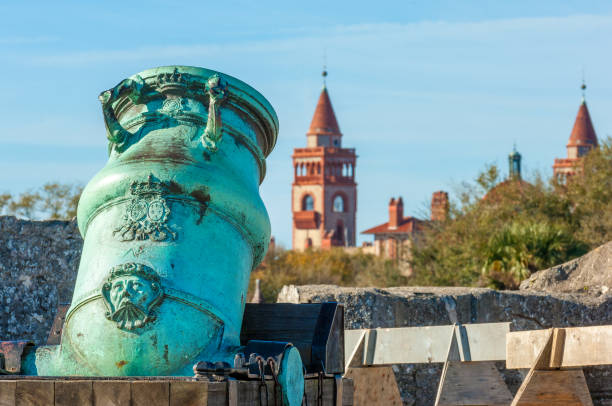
point(359, 37)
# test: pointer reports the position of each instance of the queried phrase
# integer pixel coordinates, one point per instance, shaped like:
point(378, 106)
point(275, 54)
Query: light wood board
point(374, 386)
point(472, 383)
point(582, 346)
point(553, 387)
point(415, 345)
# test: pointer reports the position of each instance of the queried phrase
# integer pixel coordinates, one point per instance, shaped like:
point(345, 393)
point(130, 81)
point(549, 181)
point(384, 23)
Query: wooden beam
point(70, 393)
point(462, 381)
point(374, 386)
point(543, 388)
point(160, 391)
point(580, 346)
point(545, 385)
point(415, 345)
point(34, 393)
point(472, 383)
point(112, 393)
point(7, 393)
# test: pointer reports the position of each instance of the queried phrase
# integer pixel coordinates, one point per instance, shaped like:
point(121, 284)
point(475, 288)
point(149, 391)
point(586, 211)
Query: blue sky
point(428, 92)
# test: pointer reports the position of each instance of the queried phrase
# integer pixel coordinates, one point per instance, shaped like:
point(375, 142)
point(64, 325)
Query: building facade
point(581, 141)
point(324, 191)
point(393, 239)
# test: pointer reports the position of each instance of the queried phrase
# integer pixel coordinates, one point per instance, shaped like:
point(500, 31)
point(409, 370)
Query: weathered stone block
point(429, 306)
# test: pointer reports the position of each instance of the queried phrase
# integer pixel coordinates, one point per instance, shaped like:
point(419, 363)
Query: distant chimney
point(396, 212)
point(272, 244)
point(257, 295)
point(439, 206)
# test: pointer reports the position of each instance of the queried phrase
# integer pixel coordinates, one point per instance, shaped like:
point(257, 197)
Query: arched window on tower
point(307, 203)
point(338, 204)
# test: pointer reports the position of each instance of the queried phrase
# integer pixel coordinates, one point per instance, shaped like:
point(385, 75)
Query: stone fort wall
point(428, 306)
point(38, 266)
point(39, 262)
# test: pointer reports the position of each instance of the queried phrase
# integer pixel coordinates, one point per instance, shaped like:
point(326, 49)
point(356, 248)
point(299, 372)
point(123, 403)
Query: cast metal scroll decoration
point(131, 294)
point(146, 215)
point(118, 137)
point(216, 87)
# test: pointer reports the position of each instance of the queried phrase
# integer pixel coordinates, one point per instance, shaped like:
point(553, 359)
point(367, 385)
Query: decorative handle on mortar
point(216, 87)
point(117, 135)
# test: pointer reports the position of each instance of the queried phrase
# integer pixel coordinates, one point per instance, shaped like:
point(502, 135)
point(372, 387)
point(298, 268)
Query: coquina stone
point(38, 267)
point(39, 261)
point(590, 274)
point(427, 306)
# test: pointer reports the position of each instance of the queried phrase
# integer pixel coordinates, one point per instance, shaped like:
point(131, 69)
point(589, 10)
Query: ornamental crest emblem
point(172, 106)
point(146, 215)
point(131, 293)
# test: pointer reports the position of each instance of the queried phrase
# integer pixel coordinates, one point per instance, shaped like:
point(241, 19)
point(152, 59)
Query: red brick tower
point(581, 141)
point(324, 192)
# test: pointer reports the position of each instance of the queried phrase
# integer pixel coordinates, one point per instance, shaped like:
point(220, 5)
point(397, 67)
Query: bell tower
point(581, 141)
point(324, 192)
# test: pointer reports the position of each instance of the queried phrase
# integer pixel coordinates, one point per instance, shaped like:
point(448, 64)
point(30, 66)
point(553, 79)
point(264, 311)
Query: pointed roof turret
point(583, 133)
point(324, 120)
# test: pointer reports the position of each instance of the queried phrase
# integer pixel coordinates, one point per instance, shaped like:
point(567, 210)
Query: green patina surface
point(172, 227)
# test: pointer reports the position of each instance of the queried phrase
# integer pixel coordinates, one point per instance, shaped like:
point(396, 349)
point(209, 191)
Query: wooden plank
point(557, 345)
point(34, 393)
point(328, 393)
point(112, 393)
point(71, 393)
point(415, 345)
point(339, 397)
point(248, 393)
point(486, 340)
point(472, 383)
point(328, 341)
point(556, 387)
point(150, 393)
point(356, 356)
point(523, 348)
point(7, 393)
point(347, 392)
point(216, 393)
point(374, 386)
point(583, 346)
point(186, 393)
point(587, 346)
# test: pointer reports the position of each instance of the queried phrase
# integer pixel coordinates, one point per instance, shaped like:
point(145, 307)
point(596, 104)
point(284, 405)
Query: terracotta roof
point(324, 120)
point(583, 132)
point(408, 225)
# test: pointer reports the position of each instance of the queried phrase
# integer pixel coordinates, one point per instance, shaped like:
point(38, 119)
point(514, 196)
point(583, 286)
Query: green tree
point(590, 195)
point(5, 201)
point(59, 201)
point(26, 205)
point(51, 201)
point(497, 235)
point(519, 249)
point(336, 266)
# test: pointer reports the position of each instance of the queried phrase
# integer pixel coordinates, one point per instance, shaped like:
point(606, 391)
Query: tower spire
point(324, 73)
point(583, 86)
